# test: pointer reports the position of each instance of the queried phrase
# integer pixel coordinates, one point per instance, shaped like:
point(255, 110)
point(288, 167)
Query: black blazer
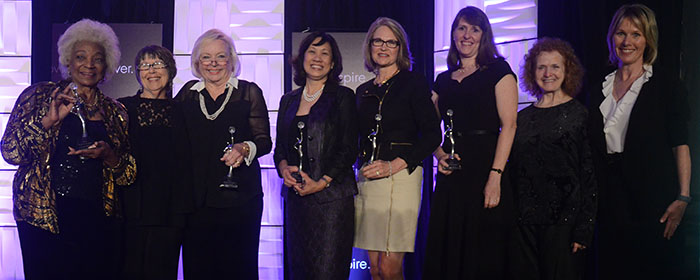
point(332, 139)
point(247, 112)
point(410, 126)
point(658, 122)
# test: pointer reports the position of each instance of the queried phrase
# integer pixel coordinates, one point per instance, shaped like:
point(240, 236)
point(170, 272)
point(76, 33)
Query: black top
point(552, 169)
point(73, 176)
point(473, 101)
point(247, 112)
point(410, 127)
point(155, 146)
point(331, 139)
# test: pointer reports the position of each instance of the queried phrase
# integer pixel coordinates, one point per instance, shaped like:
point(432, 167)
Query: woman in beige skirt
point(396, 112)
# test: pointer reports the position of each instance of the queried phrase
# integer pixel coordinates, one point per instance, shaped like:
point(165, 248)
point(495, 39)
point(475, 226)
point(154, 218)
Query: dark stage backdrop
point(417, 17)
point(49, 12)
point(584, 23)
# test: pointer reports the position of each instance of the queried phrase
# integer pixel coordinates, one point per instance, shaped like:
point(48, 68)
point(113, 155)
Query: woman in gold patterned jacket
point(70, 144)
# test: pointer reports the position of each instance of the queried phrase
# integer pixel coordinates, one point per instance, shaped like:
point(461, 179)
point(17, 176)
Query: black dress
point(555, 191)
point(319, 227)
point(154, 219)
point(223, 233)
point(465, 240)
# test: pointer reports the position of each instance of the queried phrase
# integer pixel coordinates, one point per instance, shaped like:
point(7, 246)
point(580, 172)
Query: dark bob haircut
point(158, 52)
point(487, 48)
point(573, 75)
point(336, 59)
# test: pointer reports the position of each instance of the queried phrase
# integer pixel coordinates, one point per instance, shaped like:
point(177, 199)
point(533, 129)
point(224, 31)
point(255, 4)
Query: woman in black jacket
point(389, 182)
point(319, 214)
point(640, 141)
point(222, 234)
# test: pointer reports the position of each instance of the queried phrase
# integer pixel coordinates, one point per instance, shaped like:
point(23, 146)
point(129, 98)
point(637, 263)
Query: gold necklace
point(387, 79)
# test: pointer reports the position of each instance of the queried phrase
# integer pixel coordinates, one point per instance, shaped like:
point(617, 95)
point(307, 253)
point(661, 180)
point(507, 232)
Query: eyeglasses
point(376, 42)
point(220, 59)
point(156, 65)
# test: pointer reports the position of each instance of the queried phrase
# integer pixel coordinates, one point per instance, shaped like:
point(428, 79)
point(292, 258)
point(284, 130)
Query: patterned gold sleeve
point(125, 172)
point(25, 138)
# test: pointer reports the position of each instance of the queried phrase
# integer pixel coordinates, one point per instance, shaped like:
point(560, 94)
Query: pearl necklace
point(203, 106)
point(312, 97)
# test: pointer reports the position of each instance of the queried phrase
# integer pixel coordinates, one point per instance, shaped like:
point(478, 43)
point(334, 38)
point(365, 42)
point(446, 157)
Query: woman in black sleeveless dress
point(471, 216)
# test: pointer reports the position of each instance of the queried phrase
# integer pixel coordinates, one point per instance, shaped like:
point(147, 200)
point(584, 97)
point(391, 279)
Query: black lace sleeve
point(585, 221)
point(259, 120)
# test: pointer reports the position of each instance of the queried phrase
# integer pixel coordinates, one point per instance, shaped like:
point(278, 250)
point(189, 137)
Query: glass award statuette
point(373, 139)
point(298, 146)
point(78, 109)
point(452, 162)
point(228, 182)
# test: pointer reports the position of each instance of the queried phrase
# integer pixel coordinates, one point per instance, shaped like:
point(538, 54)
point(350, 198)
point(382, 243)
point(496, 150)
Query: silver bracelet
point(686, 199)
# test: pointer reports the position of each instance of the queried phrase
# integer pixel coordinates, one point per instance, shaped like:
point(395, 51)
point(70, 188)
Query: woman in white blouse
point(639, 130)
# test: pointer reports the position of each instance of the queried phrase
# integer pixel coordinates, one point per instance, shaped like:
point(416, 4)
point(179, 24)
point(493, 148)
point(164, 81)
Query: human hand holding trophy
point(228, 182)
point(452, 161)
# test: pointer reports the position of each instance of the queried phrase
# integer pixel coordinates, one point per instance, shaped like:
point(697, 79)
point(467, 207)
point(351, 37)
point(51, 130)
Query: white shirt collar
point(636, 86)
point(232, 82)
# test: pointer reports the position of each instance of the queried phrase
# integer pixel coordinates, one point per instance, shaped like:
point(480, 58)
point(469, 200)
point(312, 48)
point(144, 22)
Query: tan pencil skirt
point(386, 212)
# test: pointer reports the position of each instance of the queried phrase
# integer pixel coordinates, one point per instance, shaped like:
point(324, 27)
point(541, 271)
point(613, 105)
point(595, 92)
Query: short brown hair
point(404, 60)
point(158, 52)
point(644, 19)
point(572, 66)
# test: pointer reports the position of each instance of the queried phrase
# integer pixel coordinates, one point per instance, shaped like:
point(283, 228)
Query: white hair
point(233, 64)
point(87, 30)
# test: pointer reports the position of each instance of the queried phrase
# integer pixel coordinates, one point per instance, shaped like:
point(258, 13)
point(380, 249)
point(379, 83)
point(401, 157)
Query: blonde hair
point(233, 63)
point(404, 60)
point(87, 30)
point(644, 19)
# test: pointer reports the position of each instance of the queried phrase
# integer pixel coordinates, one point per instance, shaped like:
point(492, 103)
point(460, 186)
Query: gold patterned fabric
point(27, 144)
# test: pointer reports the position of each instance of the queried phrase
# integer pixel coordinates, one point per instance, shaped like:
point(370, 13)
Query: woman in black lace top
point(153, 231)
point(552, 168)
point(223, 233)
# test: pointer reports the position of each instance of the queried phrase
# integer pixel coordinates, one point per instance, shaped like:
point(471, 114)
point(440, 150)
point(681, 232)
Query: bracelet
point(686, 199)
point(499, 171)
point(390, 170)
point(328, 184)
point(246, 148)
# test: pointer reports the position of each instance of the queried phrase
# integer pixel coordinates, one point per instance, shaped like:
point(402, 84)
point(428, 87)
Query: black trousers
point(222, 243)
point(152, 252)
point(543, 252)
point(87, 246)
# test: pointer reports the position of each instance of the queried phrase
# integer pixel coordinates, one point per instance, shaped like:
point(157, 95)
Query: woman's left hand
point(99, 149)
point(672, 217)
point(310, 186)
point(235, 156)
point(492, 191)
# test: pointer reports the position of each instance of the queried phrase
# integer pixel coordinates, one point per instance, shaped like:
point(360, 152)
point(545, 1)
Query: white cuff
point(251, 155)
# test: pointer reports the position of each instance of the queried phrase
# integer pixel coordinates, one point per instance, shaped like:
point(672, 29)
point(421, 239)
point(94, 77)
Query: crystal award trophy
point(228, 182)
point(373, 138)
point(298, 146)
point(452, 162)
point(78, 109)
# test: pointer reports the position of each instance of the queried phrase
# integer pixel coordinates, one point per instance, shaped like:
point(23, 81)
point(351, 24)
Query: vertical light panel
point(257, 29)
point(15, 76)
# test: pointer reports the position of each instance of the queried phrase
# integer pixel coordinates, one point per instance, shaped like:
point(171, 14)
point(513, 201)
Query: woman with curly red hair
point(552, 168)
